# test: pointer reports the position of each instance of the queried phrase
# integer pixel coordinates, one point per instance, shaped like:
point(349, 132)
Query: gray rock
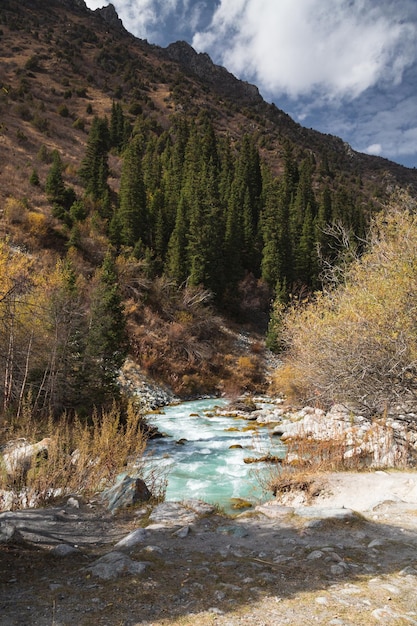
point(235, 531)
point(274, 511)
point(338, 569)
point(115, 564)
point(73, 503)
point(153, 550)
point(126, 492)
point(64, 549)
point(200, 507)
point(132, 539)
point(9, 533)
point(324, 513)
point(316, 554)
point(172, 514)
point(182, 532)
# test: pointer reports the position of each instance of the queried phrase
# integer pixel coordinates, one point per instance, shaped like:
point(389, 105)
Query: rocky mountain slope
point(62, 66)
point(59, 53)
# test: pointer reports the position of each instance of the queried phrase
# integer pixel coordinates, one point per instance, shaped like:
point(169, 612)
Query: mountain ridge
point(244, 95)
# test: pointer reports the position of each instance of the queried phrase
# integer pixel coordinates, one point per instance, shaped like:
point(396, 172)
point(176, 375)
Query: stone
point(173, 514)
point(64, 549)
point(132, 539)
point(316, 554)
point(324, 513)
point(126, 492)
point(274, 511)
point(153, 550)
point(18, 456)
point(115, 564)
point(235, 531)
point(73, 503)
point(182, 532)
point(338, 570)
point(9, 533)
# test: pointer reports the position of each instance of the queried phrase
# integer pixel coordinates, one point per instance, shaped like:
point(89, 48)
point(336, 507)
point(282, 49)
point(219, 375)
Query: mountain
point(211, 201)
point(59, 52)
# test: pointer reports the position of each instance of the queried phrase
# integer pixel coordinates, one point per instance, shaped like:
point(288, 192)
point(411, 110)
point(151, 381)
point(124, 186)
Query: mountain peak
point(200, 64)
point(109, 15)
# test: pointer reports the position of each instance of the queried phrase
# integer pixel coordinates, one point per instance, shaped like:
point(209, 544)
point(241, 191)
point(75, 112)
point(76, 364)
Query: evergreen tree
point(306, 253)
point(54, 185)
point(133, 213)
point(234, 241)
point(94, 170)
point(118, 128)
point(106, 346)
point(176, 264)
point(61, 196)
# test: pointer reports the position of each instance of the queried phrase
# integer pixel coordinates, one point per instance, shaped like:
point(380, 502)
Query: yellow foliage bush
point(14, 211)
point(287, 383)
point(358, 342)
point(37, 224)
point(82, 457)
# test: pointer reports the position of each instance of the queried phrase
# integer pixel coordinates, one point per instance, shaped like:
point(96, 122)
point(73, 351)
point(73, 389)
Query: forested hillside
point(147, 196)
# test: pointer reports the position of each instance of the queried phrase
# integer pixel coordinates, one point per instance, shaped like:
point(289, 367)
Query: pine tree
point(176, 264)
point(54, 185)
point(106, 347)
point(133, 213)
point(94, 170)
point(61, 196)
point(117, 130)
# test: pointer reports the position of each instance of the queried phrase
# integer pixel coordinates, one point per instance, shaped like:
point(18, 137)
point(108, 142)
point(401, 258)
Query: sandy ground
point(362, 491)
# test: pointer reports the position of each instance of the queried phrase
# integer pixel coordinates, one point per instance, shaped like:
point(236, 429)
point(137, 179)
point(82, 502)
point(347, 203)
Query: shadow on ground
point(214, 570)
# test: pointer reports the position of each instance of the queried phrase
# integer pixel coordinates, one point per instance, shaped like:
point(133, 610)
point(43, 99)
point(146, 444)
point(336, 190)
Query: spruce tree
point(106, 346)
point(133, 213)
point(176, 265)
point(94, 170)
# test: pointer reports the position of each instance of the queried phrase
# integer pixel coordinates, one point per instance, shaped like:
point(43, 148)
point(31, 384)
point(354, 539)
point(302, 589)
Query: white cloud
point(375, 148)
point(335, 48)
point(96, 4)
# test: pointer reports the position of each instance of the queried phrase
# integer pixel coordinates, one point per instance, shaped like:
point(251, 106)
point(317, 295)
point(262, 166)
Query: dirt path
point(298, 565)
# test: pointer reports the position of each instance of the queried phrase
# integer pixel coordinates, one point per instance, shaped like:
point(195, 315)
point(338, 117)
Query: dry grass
point(79, 457)
point(307, 459)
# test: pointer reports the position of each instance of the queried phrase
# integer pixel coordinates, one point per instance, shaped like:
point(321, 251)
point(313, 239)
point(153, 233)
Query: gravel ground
point(291, 562)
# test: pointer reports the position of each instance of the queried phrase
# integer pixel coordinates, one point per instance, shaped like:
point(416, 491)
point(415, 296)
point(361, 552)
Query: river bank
point(183, 563)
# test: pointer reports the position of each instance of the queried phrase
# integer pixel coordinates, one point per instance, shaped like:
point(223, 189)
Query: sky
point(344, 67)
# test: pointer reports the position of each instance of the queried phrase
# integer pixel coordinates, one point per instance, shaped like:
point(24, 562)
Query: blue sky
point(345, 67)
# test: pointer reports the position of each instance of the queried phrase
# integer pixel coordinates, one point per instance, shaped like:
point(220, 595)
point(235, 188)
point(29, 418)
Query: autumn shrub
point(37, 224)
point(63, 110)
point(358, 342)
point(79, 124)
point(286, 382)
point(14, 211)
point(82, 457)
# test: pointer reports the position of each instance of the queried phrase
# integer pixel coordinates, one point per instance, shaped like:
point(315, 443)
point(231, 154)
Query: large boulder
point(18, 456)
point(126, 492)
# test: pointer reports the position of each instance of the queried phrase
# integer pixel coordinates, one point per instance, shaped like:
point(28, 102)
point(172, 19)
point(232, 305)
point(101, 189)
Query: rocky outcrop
point(384, 442)
point(216, 76)
point(109, 15)
point(148, 394)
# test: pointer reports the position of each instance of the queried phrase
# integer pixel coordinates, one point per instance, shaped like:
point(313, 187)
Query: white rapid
point(204, 453)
